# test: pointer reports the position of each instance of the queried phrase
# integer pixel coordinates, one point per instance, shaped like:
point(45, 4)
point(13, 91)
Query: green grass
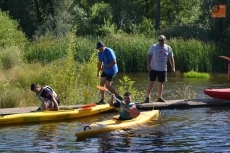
point(194, 74)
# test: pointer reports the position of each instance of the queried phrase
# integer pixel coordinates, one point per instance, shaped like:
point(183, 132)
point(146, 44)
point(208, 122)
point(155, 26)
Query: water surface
point(177, 130)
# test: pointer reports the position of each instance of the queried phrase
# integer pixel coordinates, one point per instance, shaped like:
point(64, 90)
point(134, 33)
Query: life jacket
point(42, 99)
point(124, 114)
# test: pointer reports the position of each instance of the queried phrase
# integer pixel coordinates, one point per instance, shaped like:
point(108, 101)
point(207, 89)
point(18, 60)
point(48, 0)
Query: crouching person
point(47, 96)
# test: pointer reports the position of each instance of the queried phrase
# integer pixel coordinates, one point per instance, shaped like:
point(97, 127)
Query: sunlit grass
point(184, 93)
point(127, 85)
point(194, 74)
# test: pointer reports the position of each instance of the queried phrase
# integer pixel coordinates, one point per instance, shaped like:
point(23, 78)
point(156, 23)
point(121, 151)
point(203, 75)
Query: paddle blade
point(225, 57)
point(88, 105)
point(102, 88)
point(134, 112)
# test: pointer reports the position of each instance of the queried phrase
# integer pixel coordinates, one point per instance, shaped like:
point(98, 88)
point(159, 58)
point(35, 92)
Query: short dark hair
point(127, 94)
point(33, 86)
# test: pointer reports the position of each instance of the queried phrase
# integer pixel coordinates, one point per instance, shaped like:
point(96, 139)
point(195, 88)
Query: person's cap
point(33, 86)
point(100, 44)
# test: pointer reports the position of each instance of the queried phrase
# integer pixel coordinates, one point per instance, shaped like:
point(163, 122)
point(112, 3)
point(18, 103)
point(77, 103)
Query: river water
point(177, 130)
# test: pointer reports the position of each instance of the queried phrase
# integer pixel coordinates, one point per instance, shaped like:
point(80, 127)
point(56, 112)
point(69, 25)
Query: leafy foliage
point(146, 27)
point(10, 57)
point(9, 33)
point(127, 85)
point(57, 23)
point(194, 74)
point(64, 79)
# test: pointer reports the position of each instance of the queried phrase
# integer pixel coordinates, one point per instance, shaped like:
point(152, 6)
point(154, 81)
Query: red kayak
point(218, 93)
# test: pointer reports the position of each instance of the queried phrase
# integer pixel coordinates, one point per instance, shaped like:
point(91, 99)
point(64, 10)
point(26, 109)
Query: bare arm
point(111, 101)
point(149, 57)
point(171, 60)
point(99, 65)
point(111, 64)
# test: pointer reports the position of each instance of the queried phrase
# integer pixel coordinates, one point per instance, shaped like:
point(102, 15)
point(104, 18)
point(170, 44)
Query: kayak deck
point(218, 93)
point(115, 124)
point(53, 115)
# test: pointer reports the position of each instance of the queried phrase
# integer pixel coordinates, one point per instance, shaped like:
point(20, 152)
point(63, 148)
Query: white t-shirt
point(160, 56)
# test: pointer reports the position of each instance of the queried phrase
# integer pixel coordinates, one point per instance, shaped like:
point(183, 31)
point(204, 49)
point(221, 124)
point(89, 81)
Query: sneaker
point(146, 100)
point(101, 102)
point(120, 98)
point(160, 100)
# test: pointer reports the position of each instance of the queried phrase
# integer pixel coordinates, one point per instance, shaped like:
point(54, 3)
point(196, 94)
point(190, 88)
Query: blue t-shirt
point(107, 57)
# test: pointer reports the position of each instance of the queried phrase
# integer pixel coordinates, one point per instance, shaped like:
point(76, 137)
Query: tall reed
point(193, 55)
point(46, 50)
point(131, 51)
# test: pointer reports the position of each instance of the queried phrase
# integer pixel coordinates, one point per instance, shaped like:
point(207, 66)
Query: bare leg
point(108, 85)
point(150, 88)
point(44, 106)
point(102, 83)
point(160, 89)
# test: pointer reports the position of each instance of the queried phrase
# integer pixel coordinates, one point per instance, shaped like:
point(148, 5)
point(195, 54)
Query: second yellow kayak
point(115, 124)
point(53, 115)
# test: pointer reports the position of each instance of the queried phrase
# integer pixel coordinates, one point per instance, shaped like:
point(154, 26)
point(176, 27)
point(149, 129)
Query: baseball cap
point(100, 44)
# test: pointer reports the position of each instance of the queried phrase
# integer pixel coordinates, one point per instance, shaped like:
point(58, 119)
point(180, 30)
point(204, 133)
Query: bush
point(10, 57)
point(107, 29)
point(194, 74)
point(147, 28)
point(9, 32)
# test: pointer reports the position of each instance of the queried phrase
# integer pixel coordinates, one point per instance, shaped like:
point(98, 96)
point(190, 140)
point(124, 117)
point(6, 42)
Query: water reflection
point(189, 130)
point(179, 87)
point(46, 137)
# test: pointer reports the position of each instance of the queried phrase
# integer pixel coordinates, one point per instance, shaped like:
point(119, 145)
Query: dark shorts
point(160, 75)
point(51, 105)
point(109, 77)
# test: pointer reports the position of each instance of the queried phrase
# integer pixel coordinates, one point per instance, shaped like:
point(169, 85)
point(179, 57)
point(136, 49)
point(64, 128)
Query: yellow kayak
point(115, 124)
point(52, 115)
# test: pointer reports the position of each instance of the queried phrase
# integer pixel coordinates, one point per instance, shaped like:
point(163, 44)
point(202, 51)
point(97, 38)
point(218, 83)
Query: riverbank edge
point(171, 104)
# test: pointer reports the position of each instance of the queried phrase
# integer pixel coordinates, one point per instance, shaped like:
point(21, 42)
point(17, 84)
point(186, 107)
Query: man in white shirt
point(157, 59)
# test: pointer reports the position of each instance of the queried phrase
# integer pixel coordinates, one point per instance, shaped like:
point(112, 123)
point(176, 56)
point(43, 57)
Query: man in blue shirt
point(107, 66)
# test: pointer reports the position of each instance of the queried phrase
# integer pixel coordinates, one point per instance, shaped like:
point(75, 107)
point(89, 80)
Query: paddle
point(225, 57)
point(88, 105)
point(134, 112)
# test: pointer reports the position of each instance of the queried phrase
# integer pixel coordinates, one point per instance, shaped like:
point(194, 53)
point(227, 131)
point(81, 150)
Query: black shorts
point(51, 105)
point(160, 75)
point(109, 77)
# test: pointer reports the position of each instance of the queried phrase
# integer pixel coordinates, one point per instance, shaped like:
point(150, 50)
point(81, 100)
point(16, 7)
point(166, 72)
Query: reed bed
point(194, 55)
point(131, 51)
point(69, 65)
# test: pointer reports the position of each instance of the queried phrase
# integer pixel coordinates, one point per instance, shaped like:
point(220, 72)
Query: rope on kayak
point(87, 126)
